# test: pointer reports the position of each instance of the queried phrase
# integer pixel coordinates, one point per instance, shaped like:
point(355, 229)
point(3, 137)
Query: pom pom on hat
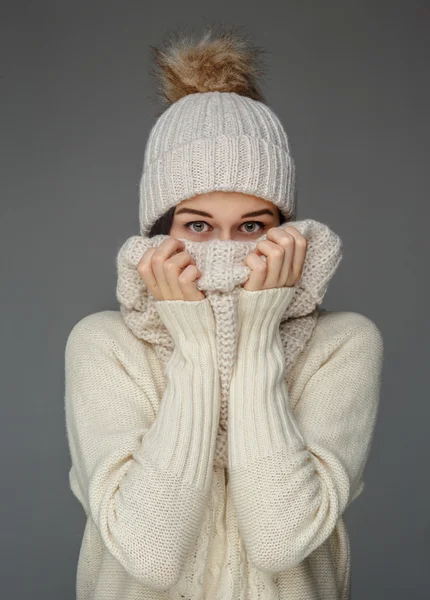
point(222, 60)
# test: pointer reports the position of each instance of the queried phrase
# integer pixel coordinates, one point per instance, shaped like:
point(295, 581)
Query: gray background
point(349, 81)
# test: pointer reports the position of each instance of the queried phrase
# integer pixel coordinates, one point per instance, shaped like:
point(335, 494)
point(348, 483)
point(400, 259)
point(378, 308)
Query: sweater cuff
point(261, 421)
point(262, 310)
point(181, 440)
point(189, 322)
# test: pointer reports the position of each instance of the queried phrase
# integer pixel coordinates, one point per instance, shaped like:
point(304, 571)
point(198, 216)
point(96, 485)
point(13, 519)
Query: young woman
point(219, 423)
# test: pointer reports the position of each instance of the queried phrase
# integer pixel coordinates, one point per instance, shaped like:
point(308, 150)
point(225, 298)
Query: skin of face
point(223, 216)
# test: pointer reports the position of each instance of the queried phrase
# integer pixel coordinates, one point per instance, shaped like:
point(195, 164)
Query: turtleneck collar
point(223, 271)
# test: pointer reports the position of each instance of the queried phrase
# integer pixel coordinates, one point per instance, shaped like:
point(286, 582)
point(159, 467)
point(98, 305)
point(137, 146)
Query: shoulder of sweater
point(102, 351)
point(342, 325)
point(345, 322)
point(336, 329)
point(108, 329)
point(343, 335)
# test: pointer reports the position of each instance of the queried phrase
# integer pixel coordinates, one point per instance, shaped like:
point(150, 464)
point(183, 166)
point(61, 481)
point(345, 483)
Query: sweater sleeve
point(292, 474)
point(145, 484)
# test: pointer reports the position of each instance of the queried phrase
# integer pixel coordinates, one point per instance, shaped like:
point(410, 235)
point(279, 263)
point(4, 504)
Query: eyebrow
point(202, 213)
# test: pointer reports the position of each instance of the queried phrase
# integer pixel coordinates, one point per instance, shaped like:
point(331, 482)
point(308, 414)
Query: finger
point(173, 267)
point(144, 268)
point(300, 249)
point(287, 242)
point(187, 281)
point(162, 253)
point(275, 259)
point(258, 272)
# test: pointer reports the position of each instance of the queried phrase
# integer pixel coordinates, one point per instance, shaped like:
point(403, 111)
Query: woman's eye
point(198, 223)
point(254, 223)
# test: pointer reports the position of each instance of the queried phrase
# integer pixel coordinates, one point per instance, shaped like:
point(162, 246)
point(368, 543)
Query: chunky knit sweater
point(164, 521)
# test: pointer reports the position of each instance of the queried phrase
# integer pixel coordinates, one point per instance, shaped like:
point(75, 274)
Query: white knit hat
point(217, 133)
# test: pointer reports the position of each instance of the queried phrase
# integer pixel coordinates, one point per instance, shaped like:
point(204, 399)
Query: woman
point(220, 422)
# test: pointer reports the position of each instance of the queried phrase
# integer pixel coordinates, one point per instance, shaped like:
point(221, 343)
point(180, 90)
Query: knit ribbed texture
point(183, 439)
point(215, 141)
point(260, 428)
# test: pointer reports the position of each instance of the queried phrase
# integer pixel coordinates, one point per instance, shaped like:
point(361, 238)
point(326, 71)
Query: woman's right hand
point(170, 276)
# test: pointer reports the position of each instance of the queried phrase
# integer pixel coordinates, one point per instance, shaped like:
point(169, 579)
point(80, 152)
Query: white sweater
point(162, 521)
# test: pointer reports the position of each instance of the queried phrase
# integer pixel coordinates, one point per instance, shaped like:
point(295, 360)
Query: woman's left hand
point(285, 252)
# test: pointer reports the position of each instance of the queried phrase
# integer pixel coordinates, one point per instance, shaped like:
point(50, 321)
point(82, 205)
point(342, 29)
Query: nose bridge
point(225, 233)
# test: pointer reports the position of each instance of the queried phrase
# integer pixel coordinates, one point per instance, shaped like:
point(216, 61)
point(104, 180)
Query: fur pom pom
point(221, 60)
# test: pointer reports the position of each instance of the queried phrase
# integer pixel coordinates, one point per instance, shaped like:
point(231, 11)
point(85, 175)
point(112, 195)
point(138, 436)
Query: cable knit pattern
point(215, 444)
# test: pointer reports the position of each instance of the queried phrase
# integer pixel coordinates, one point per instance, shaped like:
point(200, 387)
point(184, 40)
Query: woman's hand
point(285, 251)
point(169, 272)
